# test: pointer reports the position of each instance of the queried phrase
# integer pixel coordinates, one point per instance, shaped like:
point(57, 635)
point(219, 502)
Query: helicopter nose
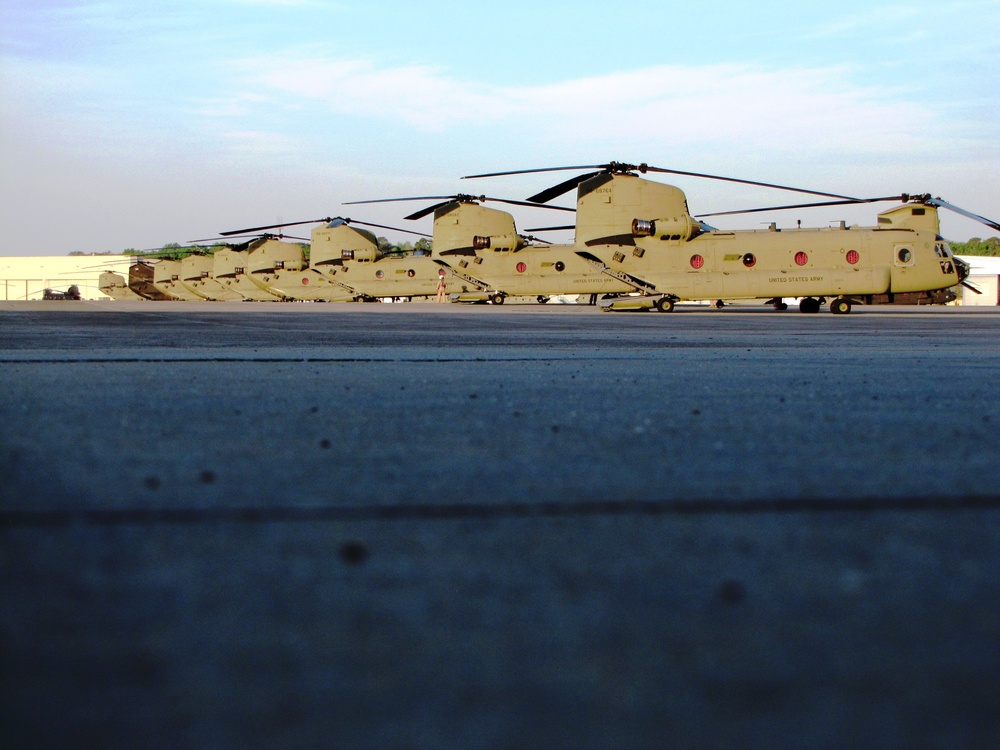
point(962, 268)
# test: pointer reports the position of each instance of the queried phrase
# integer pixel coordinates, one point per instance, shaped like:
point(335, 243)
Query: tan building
point(27, 277)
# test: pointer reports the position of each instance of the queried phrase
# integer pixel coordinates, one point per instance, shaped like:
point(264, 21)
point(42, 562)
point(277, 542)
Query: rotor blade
point(444, 200)
point(534, 171)
point(397, 200)
point(644, 168)
point(167, 253)
point(248, 230)
point(255, 235)
point(118, 262)
point(532, 204)
point(550, 229)
point(848, 202)
point(427, 210)
point(215, 240)
point(562, 188)
point(747, 182)
point(383, 226)
point(460, 198)
point(967, 285)
point(967, 214)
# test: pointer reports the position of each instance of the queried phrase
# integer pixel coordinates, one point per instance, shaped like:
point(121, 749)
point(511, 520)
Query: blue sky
point(129, 124)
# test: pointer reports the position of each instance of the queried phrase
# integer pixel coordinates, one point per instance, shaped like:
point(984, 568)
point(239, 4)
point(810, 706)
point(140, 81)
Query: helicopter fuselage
point(644, 230)
point(166, 278)
point(848, 262)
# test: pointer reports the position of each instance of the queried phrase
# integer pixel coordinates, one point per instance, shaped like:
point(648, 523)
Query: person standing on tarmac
point(442, 287)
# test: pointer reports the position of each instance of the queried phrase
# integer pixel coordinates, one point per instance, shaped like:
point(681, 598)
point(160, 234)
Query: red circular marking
point(521, 268)
point(697, 261)
point(305, 280)
point(853, 257)
point(801, 258)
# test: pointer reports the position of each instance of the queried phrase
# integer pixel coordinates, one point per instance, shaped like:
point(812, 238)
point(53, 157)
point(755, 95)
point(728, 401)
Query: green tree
point(977, 246)
point(388, 248)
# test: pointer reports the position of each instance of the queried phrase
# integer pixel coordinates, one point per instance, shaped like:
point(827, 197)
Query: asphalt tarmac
point(416, 526)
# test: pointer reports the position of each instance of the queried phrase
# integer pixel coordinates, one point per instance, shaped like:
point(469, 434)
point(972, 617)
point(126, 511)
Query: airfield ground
point(409, 526)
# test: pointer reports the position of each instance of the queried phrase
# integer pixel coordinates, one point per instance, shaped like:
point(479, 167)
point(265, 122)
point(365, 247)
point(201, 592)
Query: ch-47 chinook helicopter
point(350, 258)
point(141, 280)
point(115, 285)
point(487, 260)
point(642, 231)
point(337, 248)
point(217, 275)
point(158, 275)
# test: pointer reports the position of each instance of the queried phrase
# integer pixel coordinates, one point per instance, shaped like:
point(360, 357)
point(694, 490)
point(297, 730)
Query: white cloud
point(818, 107)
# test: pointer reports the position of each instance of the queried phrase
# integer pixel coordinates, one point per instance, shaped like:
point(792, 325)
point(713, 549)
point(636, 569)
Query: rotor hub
point(618, 167)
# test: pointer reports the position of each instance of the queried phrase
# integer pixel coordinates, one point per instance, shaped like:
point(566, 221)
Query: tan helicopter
point(141, 281)
point(154, 277)
point(345, 264)
point(350, 257)
point(483, 258)
point(167, 280)
point(188, 279)
point(196, 278)
point(116, 286)
point(283, 270)
point(293, 277)
point(641, 232)
point(231, 268)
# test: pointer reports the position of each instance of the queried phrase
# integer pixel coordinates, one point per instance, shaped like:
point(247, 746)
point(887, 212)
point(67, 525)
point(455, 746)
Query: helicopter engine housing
point(678, 228)
point(504, 242)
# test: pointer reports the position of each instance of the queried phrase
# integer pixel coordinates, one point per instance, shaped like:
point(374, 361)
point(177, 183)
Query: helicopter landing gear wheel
point(809, 305)
point(665, 304)
point(780, 304)
point(840, 306)
point(718, 304)
point(542, 299)
point(497, 299)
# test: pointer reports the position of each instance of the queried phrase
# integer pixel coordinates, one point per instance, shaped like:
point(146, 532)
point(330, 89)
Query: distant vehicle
point(72, 293)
